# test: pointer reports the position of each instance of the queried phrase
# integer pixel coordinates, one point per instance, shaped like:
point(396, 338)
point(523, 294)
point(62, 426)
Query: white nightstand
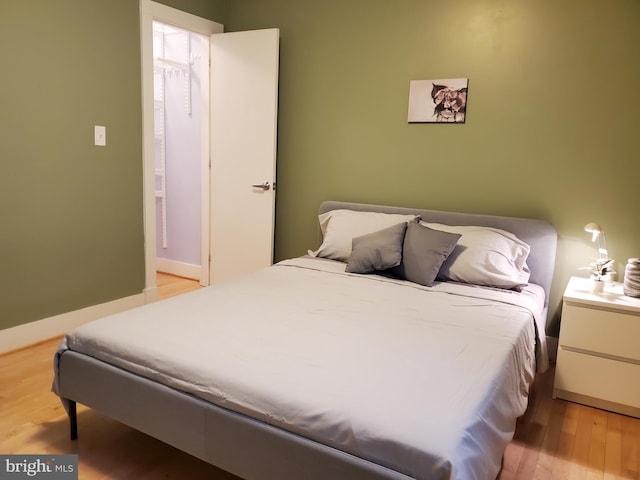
point(598, 360)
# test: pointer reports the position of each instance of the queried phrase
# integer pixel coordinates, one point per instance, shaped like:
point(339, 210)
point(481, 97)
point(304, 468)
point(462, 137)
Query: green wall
point(215, 10)
point(71, 230)
point(551, 130)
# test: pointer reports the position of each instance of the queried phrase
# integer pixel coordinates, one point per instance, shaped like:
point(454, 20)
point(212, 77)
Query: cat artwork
point(438, 100)
point(450, 104)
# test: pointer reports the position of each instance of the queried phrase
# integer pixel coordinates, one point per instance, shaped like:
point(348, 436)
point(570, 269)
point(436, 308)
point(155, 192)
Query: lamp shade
point(594, 229)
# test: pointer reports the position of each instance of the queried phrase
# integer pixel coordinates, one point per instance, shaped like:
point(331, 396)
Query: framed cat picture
point(438, 101)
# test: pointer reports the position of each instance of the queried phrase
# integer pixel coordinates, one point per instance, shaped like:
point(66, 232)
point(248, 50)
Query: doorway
point(177, 66)
point(177, 83)
point(238, 146)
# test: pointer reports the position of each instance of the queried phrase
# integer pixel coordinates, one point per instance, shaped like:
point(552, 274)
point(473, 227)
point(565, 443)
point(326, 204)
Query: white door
point(244, 101)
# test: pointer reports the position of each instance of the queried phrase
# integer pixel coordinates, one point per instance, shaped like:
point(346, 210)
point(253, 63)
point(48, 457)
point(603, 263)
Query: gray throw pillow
point(424, 252)
point(377, 251)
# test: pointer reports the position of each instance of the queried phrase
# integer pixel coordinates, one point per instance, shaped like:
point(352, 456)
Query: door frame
point(149, 12)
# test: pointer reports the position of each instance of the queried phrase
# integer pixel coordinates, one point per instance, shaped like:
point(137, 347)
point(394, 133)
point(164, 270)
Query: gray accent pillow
point(424, 252)
point(377, 251)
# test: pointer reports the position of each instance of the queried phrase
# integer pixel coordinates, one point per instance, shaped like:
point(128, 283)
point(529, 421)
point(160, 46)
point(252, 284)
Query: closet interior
point(177, 65)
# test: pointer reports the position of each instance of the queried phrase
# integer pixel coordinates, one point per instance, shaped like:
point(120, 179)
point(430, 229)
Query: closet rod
point(172, 63)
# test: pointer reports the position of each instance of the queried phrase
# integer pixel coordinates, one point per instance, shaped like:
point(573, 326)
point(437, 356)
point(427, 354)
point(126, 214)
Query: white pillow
point(485, 256)
point(340, 227)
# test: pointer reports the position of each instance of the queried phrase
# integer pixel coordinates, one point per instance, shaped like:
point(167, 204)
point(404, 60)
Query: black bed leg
point(73, 420)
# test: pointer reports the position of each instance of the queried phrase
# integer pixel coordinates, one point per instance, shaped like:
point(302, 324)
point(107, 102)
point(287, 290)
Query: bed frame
point(234, 442)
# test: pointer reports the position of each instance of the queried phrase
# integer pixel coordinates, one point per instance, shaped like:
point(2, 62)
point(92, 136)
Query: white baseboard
point(151, 294)
point(33, 332)
point(186, 270)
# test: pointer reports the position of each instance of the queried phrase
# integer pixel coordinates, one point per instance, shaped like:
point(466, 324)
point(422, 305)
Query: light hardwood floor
point(554, 439)
point(170, 285)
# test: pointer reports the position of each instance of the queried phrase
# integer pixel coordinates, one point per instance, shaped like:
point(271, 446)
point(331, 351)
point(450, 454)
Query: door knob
point(264, 186)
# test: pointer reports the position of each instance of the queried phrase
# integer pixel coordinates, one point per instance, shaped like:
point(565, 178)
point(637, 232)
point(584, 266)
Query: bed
point(348, 363)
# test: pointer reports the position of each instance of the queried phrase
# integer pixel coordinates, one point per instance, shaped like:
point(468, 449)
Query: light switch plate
point(100, 135)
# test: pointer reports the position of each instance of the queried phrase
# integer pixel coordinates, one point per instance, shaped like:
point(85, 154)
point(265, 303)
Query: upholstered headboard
point(540, 235)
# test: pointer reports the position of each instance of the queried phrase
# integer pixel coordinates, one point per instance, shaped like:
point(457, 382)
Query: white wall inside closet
point(177, 79)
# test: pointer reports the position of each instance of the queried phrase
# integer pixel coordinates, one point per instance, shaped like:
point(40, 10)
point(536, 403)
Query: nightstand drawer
point(597, 377)
point(605, 332)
